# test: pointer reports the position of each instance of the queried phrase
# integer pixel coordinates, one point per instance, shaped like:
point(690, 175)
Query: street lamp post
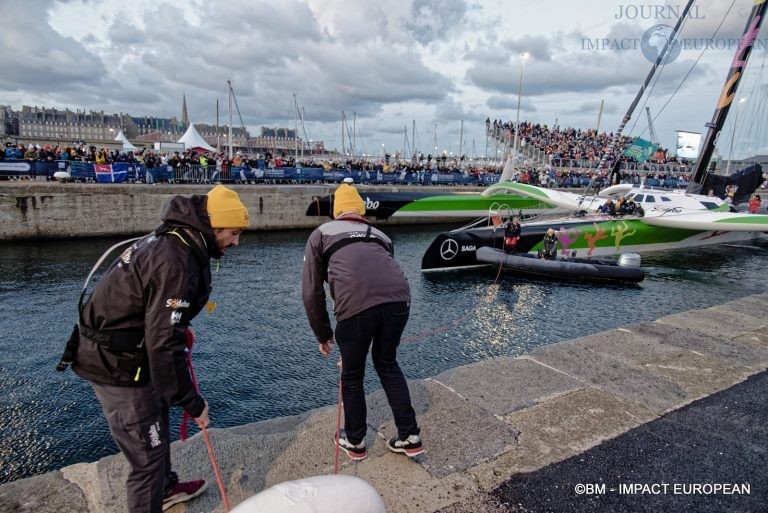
point(523, 57)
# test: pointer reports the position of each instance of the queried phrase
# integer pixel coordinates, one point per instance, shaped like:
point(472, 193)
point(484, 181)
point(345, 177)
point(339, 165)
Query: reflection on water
point(256, 357)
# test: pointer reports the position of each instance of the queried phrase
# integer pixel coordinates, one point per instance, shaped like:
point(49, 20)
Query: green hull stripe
point(472, 202)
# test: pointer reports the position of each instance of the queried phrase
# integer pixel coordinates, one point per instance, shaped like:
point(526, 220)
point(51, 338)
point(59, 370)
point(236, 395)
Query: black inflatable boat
point(570, 269)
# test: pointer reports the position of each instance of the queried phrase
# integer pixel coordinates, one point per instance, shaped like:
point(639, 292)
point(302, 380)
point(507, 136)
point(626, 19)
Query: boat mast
point(229, 133)
point(628, 115)
point(295, 128)
point(343, 149)
point(413, 137)
point(599, 117)
point(751, 30)
point(461, 139)
point(218, 133)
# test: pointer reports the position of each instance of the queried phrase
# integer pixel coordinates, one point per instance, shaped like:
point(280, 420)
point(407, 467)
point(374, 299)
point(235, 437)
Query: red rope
point(216, 472)
point(453, 323)
point(190, 339)
point(338, 428)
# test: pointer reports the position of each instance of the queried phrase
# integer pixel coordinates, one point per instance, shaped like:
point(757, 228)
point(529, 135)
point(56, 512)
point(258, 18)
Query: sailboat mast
point(461, 139)
point(599, 116)
point(343, 150)
point(229, 133)
point(413, 137)
point(746, 43)
point(295, 128)
point(628, 115)
point(218, 132)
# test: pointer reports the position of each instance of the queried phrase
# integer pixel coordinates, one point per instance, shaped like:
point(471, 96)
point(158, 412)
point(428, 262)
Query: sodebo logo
point(371, 205)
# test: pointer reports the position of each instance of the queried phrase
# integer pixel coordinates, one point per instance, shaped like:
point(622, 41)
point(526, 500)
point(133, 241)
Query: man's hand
point(326, 347)
point(203, 419)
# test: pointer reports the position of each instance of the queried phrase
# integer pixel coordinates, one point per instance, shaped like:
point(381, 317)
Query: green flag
point(640, 150)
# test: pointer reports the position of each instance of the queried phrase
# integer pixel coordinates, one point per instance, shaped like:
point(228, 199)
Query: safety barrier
point(137, 173)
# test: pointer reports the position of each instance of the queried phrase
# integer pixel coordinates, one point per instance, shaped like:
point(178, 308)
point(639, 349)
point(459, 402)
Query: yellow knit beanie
point(225, 209)
point(347, 199)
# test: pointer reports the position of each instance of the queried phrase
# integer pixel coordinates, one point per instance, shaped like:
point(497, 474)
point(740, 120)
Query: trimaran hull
point(591, 236)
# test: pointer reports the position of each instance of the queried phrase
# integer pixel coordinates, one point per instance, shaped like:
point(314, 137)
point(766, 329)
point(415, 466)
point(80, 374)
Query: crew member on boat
point(607, 208)
point(550, 246)
point(512, 235)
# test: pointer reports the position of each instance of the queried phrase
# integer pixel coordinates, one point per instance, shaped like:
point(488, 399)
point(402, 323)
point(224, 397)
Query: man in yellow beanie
point(228, 216)
point(347, 200)
point(132, 333)
point(371, 302)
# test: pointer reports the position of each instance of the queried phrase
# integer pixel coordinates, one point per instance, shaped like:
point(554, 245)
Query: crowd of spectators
point(574, 147)
point(570, 158)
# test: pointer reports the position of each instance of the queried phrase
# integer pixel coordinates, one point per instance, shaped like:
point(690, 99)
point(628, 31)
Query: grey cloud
point(37, 59)
point(436, 19)
point(509, 102)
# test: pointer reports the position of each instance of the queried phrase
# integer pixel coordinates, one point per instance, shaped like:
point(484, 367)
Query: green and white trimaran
point(672, 219)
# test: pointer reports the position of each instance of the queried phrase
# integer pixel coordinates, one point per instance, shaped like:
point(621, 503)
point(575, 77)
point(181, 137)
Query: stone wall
point(37, 210)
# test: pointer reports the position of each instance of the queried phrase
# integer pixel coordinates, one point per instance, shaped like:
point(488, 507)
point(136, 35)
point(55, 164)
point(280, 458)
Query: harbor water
point(256, 357)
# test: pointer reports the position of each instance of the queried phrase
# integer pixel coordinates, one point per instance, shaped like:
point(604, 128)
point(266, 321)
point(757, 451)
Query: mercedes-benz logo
point(449, 249)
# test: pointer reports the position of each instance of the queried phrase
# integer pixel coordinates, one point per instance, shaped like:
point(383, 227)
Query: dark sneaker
point(355, 452)
point(182, 492)
point(411, 446)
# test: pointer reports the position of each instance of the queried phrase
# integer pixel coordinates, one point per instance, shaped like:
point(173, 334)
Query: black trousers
point(138, 420)
point(380, 328)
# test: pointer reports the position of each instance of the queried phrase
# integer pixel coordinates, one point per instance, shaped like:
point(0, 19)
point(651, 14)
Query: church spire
point(184, 114)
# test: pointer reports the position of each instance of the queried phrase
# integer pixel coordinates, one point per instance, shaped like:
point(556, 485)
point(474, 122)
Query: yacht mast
point(728, 94)
point(229, 133)
point(628, 115)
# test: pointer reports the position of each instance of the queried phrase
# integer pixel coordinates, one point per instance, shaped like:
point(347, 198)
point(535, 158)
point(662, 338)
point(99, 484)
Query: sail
point(728, 94)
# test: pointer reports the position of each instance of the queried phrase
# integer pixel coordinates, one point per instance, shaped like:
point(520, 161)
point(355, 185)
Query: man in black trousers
point(371, 303)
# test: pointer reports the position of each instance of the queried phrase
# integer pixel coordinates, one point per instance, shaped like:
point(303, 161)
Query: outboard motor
point(629, 260)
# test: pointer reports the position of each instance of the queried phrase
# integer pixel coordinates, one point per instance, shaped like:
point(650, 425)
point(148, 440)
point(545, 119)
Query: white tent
point(192, 139)
point(127, 146)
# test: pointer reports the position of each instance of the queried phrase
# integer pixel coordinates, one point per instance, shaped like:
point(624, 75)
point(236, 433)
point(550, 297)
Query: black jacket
point(155, 287)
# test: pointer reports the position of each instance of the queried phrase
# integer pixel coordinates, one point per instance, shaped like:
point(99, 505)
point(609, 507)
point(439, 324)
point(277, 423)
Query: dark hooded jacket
point(132, 327)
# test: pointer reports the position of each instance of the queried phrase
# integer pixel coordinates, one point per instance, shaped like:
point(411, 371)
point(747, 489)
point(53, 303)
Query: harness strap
point(333, 248)
point(116, 341)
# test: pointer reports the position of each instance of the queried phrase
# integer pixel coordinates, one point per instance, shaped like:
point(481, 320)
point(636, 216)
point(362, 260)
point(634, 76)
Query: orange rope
point(190, 340)
point(219, 481)
point(338, 429)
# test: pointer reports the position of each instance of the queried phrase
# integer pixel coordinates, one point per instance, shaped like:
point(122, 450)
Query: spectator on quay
point(30, 154)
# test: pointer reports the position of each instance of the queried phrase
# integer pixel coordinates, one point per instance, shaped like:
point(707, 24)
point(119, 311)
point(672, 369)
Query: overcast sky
point(391, 62)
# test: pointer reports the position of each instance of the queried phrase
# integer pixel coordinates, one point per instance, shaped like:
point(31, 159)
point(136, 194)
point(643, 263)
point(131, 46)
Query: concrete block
point(457, 434)
point(752, 306)
point(654, 392)
point(714, 322)
point(47, 493)
point(716, 346)
point(560, 428)
point(504, 385)
point(407, 487)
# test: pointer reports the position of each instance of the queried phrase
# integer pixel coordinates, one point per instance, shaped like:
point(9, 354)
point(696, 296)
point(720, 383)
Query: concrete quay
point(491, 427)
point(51, 210)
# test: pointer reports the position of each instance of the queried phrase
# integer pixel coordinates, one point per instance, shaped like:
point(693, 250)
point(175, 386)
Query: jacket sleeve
point(312, 290)
point(171, 293)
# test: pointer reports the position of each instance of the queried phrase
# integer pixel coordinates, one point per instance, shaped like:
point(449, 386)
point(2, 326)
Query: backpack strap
point(351, 239)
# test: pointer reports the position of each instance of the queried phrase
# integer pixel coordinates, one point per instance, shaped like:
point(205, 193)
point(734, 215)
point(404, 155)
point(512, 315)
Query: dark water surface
point(256, 358)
